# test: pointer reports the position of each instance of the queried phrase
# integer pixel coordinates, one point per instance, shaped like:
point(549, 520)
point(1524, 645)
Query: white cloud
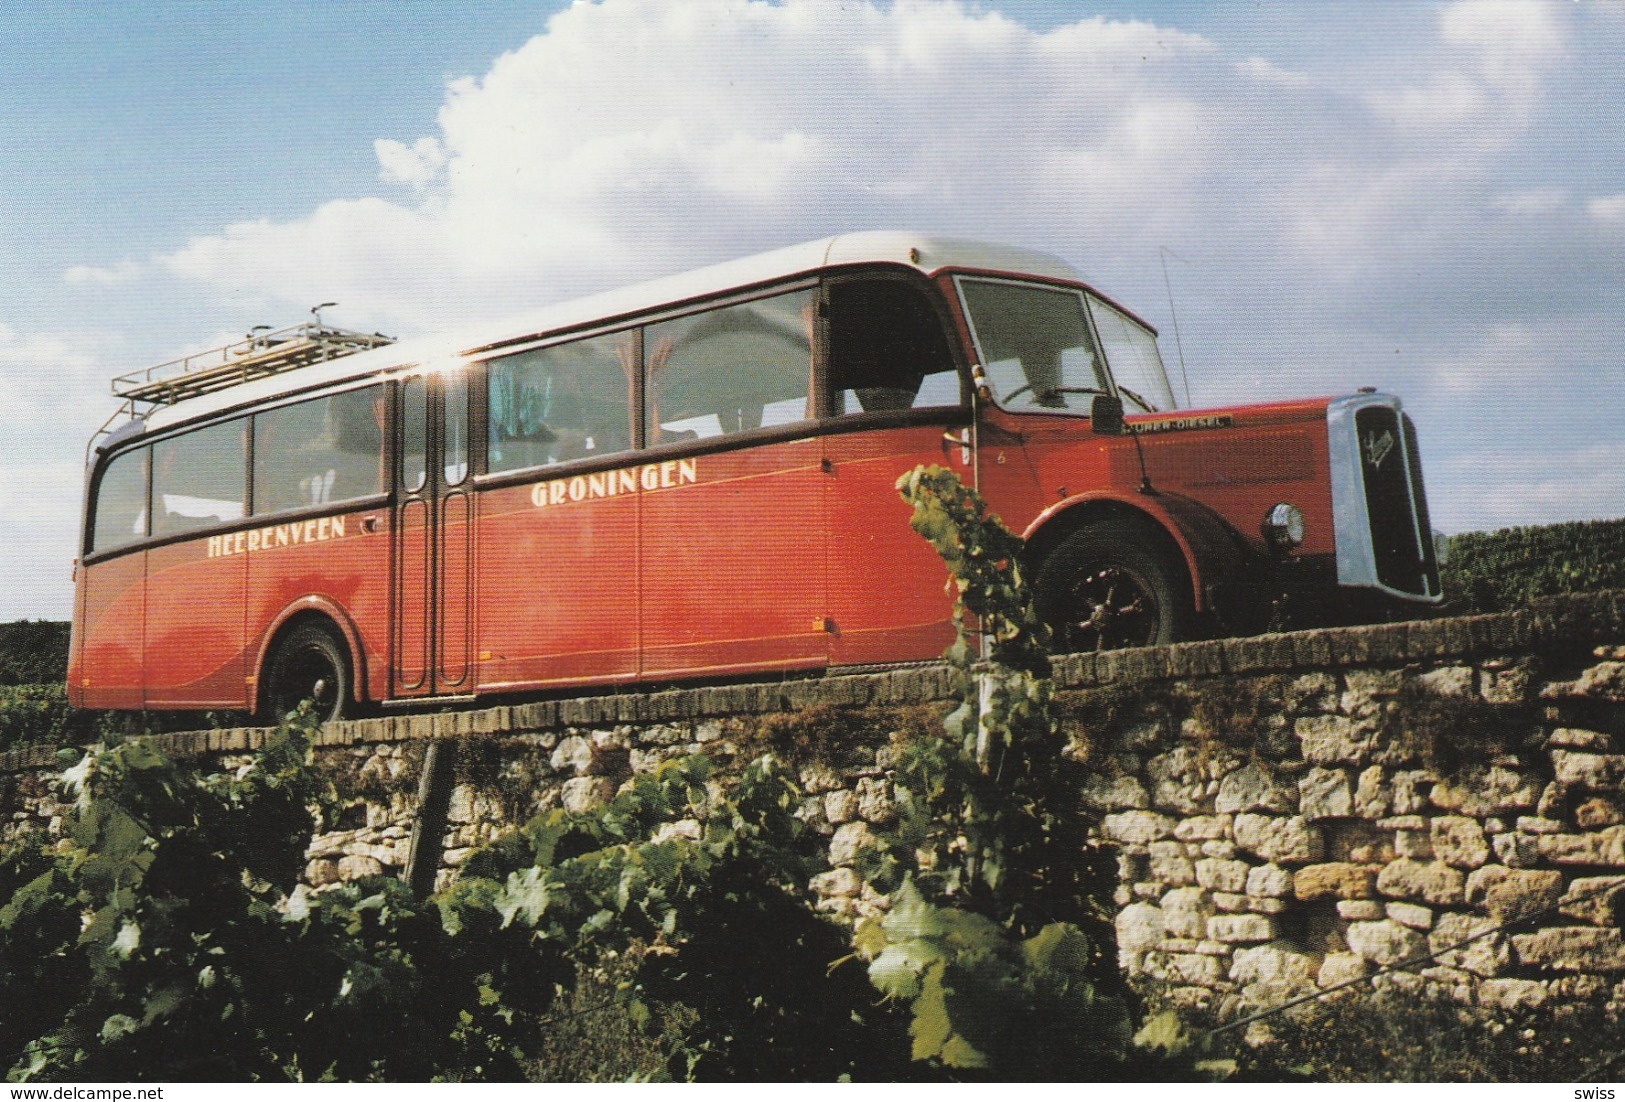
point(125, 271)
point(1490, 87)
point(637, 137)
point(1535, 201)
point(1268, 72)
point(418, 164)
point(1608, 208)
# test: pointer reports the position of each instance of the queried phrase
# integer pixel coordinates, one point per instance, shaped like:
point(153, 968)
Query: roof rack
point(264, 352)
point(254, 357)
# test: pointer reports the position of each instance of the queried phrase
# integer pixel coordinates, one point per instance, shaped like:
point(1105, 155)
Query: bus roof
point(923, 252)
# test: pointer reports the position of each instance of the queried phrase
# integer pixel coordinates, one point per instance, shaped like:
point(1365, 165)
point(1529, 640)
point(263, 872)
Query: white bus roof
point(923, 252)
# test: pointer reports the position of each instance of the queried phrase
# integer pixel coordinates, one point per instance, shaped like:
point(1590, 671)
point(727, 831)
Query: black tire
point(1114, 584)
point(309, 663)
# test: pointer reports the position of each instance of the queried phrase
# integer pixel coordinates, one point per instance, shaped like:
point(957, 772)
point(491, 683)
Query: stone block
point(850, 839)
point(1487, 790)
point(1311, 692)
point(1590, 772)
point(1572, 949)
point(1325, 794)
point(1201, 828)
point(1332, 740)
point(1271, 964)
point(1221, 848)
point(1428, 881)
point(844, 882)
point(1338, 879)
point(1284, 840)
point(1233, 928)
point(1137, 826)
point(1360, 910)
point(1384, 943)
point(1413, 915)
point(323, 870)
point(1516, 849)
point(1597, 813)
point(1194, 969)
point(1253, 788)
point(1231, 902)
point(1139, 928)
point(1598, 900)
point(1604, 681)
point(1170, 865)
point(1185, 779)
point(1455, 681)
point(1512, 994)
point(1416, 844)
point(1115, 793)
point(875, 802)
point(575, 755)
point(1269, 881)
point(580, 795)
point(1222, 876)
point(354, 866)
point(1508, 894)
point(1469, 942)
point(1337, 969)
point(840, 806)
point(1459, 841)
point(1372, 797)
point(1605, 847)
point(1185, 912)
point(1411, 789)
point(1575, 738)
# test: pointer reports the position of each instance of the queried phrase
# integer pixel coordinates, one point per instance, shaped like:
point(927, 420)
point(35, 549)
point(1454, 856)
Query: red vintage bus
point(694, 478)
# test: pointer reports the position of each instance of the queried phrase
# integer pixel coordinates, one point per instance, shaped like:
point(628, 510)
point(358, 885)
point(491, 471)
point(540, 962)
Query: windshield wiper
point(1139, 401)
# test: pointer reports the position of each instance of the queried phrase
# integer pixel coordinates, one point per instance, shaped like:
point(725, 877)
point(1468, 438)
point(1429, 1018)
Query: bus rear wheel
point(1113, 584)
point(308, 664)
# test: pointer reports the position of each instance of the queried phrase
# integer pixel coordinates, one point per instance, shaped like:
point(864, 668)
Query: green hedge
point(1502, 570)
point(33, 652)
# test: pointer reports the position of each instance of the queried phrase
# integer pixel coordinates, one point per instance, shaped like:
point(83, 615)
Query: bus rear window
point(732, 369)
point(121, 502)
point(199, 479)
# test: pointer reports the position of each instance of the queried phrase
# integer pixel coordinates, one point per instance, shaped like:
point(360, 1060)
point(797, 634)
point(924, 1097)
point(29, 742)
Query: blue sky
point(1428, 197)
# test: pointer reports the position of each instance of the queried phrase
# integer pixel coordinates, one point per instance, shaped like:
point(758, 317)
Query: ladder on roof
point(259, 355)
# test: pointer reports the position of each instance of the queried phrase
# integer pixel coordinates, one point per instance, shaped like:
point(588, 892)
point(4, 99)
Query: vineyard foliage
point(154, 940)
point(33, 652)
point(1503, 570)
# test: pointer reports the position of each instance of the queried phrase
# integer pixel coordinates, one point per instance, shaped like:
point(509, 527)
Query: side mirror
point(1106, 415)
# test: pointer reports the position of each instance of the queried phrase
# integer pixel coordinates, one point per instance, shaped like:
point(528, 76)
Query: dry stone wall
point(1434, 806)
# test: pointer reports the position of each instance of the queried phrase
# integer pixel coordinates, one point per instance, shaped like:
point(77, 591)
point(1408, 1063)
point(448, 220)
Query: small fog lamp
point(1283, 527)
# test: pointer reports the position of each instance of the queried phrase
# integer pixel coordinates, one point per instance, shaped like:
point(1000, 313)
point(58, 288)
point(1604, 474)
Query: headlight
point(1283, 527)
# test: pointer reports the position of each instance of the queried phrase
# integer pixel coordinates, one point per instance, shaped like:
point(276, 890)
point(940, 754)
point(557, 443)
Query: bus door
point(434, 534)
point(896, 403)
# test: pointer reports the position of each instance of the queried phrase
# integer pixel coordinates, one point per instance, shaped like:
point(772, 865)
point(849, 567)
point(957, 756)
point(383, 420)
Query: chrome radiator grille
point(1379, 505)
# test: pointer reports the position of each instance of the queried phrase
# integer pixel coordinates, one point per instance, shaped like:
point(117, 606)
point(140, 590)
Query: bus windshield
point(1038, 349)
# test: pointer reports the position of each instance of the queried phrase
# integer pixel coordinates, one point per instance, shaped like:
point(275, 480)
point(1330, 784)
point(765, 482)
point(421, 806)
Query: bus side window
point(320, 451)
point(888, 349)
point(730, 369)
point(563, 402)
point(121, 502)
point(199, 478)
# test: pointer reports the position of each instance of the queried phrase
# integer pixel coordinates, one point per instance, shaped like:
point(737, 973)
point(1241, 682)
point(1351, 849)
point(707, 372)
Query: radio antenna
point(1178, 344)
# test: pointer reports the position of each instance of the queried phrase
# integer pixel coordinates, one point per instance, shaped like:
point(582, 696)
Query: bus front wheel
point(1113, 584)
point(308, 664)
